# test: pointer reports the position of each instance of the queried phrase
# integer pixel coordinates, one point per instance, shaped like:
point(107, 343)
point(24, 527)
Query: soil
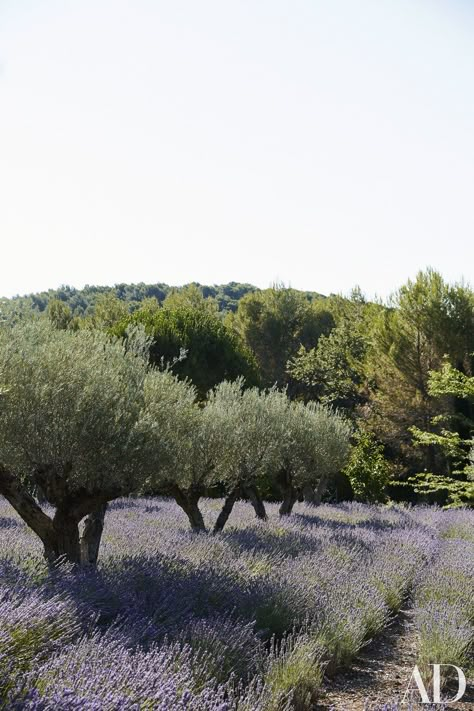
point(379, 676)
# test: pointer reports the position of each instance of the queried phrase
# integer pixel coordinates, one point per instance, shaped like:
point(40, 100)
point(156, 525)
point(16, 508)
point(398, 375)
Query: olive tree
point(70, 426)
point(316, 447)
point(253, 434)
point(186, 443)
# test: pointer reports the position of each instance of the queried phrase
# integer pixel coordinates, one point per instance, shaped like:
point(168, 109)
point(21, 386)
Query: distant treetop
point(82, 301)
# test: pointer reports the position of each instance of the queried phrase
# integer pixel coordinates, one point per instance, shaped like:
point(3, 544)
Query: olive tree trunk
point(289, 499)
point(320, 489)
point(25, 505)
point(226, 510)
point(285, 483)
point(188, 501)
point(256, 501)
point(92, 535)
point(60, 534)
point(309, 494)
point(65, 540)
point(314, 496)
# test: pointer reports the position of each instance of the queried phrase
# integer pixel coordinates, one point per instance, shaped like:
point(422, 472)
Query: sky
point(322, 144)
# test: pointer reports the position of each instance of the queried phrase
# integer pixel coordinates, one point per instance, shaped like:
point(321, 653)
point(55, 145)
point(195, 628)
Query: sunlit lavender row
point(248, 619)
point(444, 596)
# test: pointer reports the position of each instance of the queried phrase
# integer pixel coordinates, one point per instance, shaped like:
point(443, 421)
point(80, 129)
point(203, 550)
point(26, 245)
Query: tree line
point(85, 419)
point(82, 302)
point(396, 378)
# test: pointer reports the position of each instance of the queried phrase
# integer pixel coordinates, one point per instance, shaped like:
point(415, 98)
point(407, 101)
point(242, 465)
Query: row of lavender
point(247, 620)
point(444, 596)
point(443, 613)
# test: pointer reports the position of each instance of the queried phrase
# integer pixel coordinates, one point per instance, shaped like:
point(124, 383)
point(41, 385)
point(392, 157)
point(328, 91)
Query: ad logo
point(420, 688)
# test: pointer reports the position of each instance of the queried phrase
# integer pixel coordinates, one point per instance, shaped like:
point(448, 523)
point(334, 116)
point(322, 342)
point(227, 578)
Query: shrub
point(368, 471)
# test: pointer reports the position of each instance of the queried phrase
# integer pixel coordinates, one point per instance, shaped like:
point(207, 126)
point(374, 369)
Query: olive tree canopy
point(316, 448)
point(70, 427)
point(187, 439)
point(254, 425)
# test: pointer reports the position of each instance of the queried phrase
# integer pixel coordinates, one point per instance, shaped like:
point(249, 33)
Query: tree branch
point(82, 504)
point(25, 505)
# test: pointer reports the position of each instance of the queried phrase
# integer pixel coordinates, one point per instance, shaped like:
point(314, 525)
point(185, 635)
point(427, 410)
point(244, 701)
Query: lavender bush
point(246, 620)
point(443, 600)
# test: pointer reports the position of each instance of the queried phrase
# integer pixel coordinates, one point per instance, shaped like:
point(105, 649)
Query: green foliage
point(458, 486)
point(274, 324)
point(429, 320)
point(192, 297)
point(253, 425)
point(316, 445)
point(458, 493)
point(83, 420)
point(70, 405)
point(82, 302)
point(368, 471)
point(186, 441)
point(213, 352)
point(332, 372)
point(450, 381)
point(450, 442)
point(440, 314)
point(59, 314)
point(109, 310)
point(406, 369)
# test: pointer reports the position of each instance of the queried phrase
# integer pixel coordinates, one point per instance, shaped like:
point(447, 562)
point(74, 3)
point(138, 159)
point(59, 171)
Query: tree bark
point(256, 502)
point(289, 499)
point(60, 534)
point(226, 510)
point(188, 501)
point(65, 540)
point(25, 505)
point(92, 535)
point(309, 494)
point(285, 483)
point(320, 489)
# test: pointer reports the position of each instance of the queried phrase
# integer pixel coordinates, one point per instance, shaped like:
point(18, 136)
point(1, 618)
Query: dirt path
point(380, 674)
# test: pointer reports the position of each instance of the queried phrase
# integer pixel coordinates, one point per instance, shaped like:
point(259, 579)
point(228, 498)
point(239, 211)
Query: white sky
point(322, 143)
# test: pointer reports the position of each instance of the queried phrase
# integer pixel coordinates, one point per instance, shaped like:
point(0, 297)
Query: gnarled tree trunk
point(92, 535)
point(188, 501)
point(60, 534)
point(313, 496)
point(226, 510)
point(256, 501)
point(65, 539)
point(289, 499)
point(308, 494)
point(320, 489)
point(25, 505)
point(285, 482)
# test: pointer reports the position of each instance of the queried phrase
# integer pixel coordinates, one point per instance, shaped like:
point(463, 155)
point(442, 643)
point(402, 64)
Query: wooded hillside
point(400, 372)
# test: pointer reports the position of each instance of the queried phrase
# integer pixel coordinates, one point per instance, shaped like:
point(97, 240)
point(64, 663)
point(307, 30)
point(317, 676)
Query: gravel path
point(379, 677)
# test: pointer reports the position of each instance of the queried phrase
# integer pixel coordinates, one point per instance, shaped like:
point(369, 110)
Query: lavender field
point(251, 619)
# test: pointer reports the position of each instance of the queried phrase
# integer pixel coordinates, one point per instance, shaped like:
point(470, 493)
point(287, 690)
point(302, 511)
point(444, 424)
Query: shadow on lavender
point(247, 619)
